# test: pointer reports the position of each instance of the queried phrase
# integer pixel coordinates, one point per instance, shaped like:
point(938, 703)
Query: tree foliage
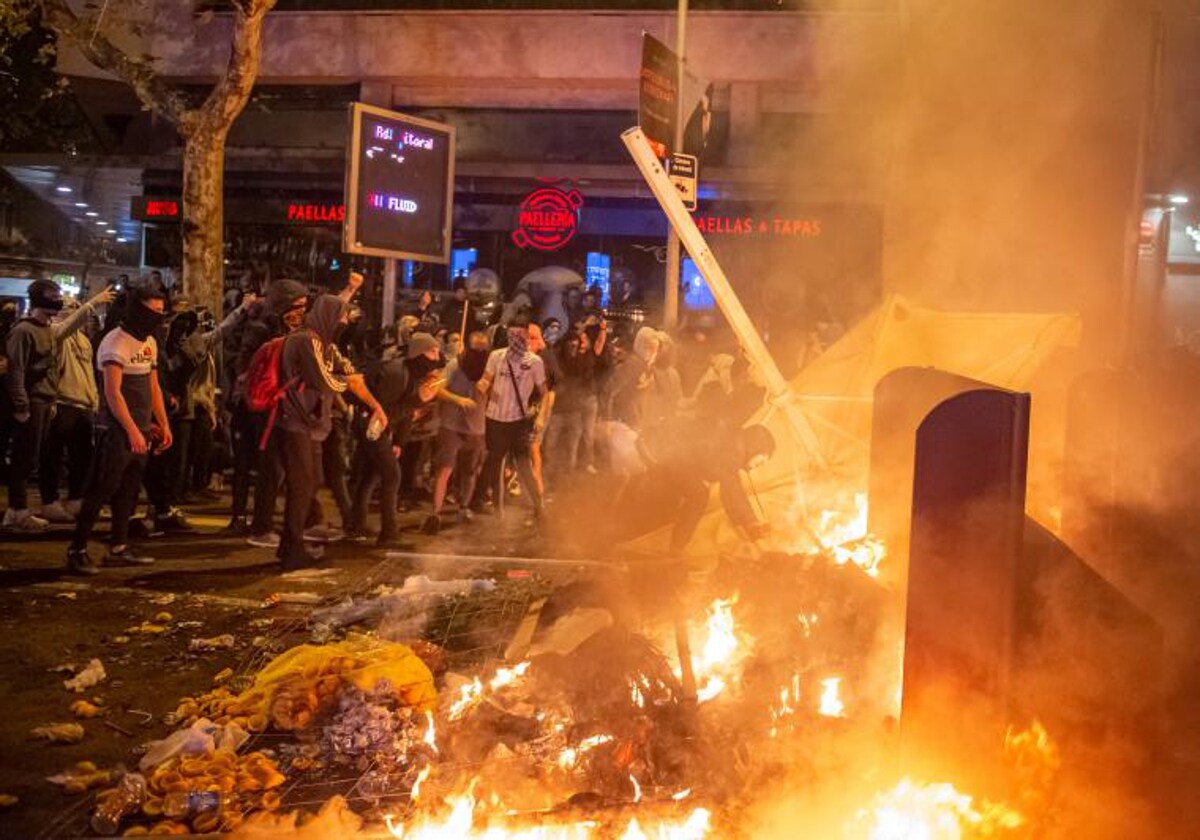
point(37, 111)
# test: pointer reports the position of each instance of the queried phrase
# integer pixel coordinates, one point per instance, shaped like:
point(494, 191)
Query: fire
point(789, 699)
point(459, 823)
point(717, 666)
point(831, 701)
point(569, 757)
point(912, 811)
point(845, 536)
point(472, 693)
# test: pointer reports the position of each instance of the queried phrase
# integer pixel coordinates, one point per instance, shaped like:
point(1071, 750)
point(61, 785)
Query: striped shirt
point(503, 404)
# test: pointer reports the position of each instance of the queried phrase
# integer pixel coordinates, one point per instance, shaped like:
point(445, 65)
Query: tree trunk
point(203, 223)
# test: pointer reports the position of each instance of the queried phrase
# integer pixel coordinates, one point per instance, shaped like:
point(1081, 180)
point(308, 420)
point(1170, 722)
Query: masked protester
point(311, 361)
point(572, 429)
point(538, 345)
point(625, 398)
point(513, 381)
point(461, 427)
point(674, 489)
point(402, 386)
point(31, 386)
point(76, 404)
point(133, 419)
point(282, 313)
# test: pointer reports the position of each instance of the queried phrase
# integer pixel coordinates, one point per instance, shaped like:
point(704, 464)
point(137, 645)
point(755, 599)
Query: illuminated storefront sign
point(548, 219)
point(332, 213)
point(759, 226)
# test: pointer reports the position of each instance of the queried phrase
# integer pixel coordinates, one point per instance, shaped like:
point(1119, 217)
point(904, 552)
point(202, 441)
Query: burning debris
point(593, 733)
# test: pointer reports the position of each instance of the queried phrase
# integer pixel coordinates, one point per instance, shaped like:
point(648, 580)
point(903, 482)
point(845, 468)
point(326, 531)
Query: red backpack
point(263, 388)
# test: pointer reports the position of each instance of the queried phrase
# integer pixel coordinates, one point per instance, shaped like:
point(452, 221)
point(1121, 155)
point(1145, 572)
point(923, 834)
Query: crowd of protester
point(454, 411)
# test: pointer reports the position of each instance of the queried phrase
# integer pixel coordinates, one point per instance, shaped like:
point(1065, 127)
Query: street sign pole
point(671, 290)
point(778, 391)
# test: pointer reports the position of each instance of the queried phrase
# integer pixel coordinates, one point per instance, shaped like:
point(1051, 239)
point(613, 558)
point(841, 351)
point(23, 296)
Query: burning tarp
point(834, 395)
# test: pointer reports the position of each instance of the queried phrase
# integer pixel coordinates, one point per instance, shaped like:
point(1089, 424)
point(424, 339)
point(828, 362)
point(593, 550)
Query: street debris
point(7, 800)
point(84, 776)
point(83, 709)
point(163, 600)
point(59, 733)
point(203, 737)
point(163, 618)
point(92, 674)
point(222, 676)
point(147, 628)
point(67, 596)
point(222, 642)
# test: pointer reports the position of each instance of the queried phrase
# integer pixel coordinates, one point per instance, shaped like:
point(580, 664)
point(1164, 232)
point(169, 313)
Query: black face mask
point(140, 321)
point(422, 366)
point(46, 302)
point(472, 362)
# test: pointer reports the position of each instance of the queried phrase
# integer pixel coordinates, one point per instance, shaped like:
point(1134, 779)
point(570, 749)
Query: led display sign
point(147, 209)
point(399, 186)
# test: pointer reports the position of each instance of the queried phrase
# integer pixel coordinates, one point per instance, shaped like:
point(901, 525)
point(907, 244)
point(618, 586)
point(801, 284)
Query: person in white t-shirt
point(133, 418)
point(514, 382)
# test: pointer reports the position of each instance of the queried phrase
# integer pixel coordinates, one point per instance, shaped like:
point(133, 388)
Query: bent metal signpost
point(548, 219)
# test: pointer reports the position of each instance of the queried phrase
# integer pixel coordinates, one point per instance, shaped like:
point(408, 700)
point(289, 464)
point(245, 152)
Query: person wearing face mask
point(31, 386)
point(402, 385)
point(282, 313)
point(460, 441)
point(626, 397)
point(513, 382)
point(133, 418)
point(70, 430)
point(318, 372)
point(680, 472)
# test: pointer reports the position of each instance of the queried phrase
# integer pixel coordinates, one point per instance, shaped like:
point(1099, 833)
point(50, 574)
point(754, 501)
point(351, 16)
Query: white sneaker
point(24, 521)
point(267, 540)
point(57, 512)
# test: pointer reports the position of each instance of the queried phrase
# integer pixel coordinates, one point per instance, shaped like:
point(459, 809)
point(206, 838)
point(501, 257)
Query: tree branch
point(139, 75)
point(232, 91)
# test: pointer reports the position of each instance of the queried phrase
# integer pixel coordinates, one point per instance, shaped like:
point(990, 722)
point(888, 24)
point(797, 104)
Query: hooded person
point(461, 429)
point(133, 419)
point(675, 488)
point(33, 352)
point(281, 312)
point(626, 399)
point(402, 385)
point(70, 431)
point(313, 372)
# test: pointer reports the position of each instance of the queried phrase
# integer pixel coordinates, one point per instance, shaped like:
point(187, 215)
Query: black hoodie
point(319, 371)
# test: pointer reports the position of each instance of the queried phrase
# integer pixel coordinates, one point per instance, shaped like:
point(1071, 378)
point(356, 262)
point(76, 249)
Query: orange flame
point(913, 811)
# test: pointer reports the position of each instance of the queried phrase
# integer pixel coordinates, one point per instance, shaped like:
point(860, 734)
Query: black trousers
point(509, 440)
point(26, 448)
point(115, 477)
point(199, 468)
point(300, 457)
point(374, 462)
point(247, 458)
point(266, 482)
point(333, 464)
point(163, 470)
point(70, 432)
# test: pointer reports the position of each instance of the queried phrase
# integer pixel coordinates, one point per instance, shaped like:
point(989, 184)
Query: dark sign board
point(399, 186)
point(657, 90)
